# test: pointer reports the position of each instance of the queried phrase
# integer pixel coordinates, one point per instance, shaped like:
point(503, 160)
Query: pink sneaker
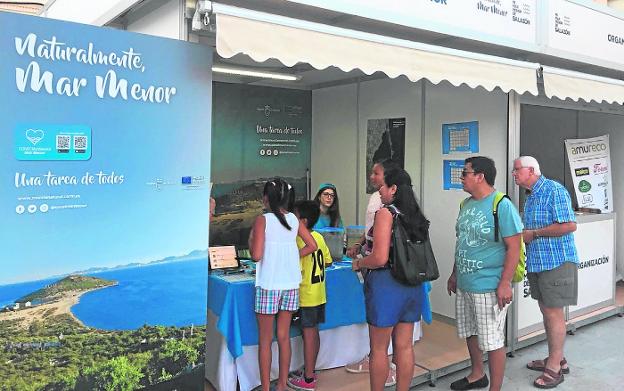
point(299, 383)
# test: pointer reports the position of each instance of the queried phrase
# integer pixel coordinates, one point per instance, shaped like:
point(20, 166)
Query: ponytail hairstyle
point(411, 216)
point(277, 193)
point(334, 210)
point(290, 202)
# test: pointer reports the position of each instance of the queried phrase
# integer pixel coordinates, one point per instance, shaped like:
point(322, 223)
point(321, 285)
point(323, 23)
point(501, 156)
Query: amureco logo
point(581, 149)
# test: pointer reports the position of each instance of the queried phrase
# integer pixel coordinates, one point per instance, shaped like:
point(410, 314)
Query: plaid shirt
point(548, 203)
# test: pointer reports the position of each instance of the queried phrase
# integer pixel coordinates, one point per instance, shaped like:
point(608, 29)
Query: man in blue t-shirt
point(482, 274)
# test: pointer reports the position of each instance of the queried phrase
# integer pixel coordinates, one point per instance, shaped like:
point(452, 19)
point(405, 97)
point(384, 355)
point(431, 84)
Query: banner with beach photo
point(590, 166)
point(105, 172)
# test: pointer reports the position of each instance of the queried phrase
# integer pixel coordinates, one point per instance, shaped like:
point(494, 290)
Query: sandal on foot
point(539, 365)
point(550, 378)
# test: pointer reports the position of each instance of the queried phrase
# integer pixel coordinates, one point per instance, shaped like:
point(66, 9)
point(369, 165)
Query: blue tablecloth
point(233, 303)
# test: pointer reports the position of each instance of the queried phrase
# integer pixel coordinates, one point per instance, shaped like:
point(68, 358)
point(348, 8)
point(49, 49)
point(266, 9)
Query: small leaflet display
point(590, 166)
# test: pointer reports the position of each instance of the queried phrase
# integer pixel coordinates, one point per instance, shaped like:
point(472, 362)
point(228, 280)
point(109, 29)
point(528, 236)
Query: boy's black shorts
point(312, 316)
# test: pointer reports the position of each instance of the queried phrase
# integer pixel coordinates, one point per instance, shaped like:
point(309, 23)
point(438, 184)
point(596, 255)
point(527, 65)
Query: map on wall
point(385, 139)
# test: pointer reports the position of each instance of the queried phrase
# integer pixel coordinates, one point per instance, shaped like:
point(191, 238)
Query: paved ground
point(595, 354)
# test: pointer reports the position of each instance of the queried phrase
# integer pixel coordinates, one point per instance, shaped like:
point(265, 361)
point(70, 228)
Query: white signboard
point(503, 22)
point(590, 166)
point(594, 243)
point(587, 34)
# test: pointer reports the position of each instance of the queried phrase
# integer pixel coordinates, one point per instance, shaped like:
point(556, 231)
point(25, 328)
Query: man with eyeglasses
point(482, 273)
point(551, 263)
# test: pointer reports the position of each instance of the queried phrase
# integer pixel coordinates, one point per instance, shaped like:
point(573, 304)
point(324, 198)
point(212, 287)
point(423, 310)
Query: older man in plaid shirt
point(552, 261)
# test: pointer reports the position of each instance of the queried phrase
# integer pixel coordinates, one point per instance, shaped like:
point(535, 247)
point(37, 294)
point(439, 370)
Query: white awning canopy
point(263, 36)
point(564, 84)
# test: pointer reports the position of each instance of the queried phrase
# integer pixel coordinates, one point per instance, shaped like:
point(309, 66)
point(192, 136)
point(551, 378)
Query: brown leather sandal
point(539, 365)
point(550, 378)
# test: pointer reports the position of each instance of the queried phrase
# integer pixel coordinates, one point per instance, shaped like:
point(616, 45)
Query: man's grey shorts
point(557, 287)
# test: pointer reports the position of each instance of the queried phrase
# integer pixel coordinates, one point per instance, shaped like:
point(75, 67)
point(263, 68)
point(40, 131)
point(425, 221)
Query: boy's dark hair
point(483, 165)
point(308, 210)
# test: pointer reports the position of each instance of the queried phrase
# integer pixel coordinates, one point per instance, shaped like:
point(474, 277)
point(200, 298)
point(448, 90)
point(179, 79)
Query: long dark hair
point(334, 210)
point(277, 192)
point(412, 216)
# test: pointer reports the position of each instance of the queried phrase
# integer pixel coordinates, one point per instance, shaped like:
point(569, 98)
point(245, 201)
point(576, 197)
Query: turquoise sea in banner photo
point(166, 294)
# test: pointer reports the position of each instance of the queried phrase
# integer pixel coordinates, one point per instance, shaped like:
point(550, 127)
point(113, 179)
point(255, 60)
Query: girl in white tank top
point(273, 246)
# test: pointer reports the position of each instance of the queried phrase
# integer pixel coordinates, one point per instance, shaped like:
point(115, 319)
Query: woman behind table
point(391, 307)
point(327, 198)
point(273, 245)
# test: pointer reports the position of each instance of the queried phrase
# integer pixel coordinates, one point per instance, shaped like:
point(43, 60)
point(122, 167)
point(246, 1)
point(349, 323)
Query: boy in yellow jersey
point(312, 296)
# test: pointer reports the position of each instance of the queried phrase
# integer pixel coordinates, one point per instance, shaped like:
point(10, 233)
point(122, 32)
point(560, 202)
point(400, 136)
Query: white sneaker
point(361, 366)
point(391, 380)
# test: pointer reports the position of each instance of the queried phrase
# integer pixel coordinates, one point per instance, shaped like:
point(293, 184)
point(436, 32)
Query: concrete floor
point(595, 354)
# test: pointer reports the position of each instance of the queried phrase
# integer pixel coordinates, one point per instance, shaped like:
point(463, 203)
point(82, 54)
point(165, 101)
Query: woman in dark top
point(391, 307)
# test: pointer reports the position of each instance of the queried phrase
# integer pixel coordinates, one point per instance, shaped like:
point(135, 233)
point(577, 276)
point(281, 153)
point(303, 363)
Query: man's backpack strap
point(498, 197)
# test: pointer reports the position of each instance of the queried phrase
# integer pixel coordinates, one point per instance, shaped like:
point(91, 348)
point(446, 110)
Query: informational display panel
point(590, 166)
point(502, 22)
point(451, 172)
point(460, 137)
point(595, 246)
point(385, 140)
point(105, 172)
point(579, 32)
point(260, 133)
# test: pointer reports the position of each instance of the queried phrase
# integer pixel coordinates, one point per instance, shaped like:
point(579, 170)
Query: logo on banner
point(581, 171)
point(587, 199)
point(267, 109)
point(598, 147)
point(600, 168)
point(34, 135)
point(584, 186)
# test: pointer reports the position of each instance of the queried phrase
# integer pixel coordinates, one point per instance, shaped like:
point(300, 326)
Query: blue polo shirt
point(548, 203)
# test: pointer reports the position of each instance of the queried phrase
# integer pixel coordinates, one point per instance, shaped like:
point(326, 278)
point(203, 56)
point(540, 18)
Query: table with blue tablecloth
point(232, 332)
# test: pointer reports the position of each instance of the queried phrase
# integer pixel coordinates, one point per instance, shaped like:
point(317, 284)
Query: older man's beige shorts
point(557, 287)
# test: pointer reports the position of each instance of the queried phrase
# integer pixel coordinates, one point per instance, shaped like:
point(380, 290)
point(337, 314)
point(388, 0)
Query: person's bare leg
point(311, 346)
point(379, 342)
point(265, 339)
point(476, 359)
point(403, 354)
point(496, 362)
point(554, 322)
point(283, 342)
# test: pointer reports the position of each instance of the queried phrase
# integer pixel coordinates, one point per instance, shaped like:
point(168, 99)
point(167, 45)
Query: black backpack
point(411, 262)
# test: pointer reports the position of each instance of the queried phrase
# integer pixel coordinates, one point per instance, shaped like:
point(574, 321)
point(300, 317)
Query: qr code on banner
point(62, 143)
point(80, 144)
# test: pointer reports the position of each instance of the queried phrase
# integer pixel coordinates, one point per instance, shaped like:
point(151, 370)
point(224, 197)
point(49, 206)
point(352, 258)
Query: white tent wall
point(334, 144)
point(162, 20)
point(97, 13)
point(447, 104)
point(334, 152)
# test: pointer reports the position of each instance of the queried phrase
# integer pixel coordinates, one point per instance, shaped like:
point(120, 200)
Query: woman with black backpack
point(392, 307)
